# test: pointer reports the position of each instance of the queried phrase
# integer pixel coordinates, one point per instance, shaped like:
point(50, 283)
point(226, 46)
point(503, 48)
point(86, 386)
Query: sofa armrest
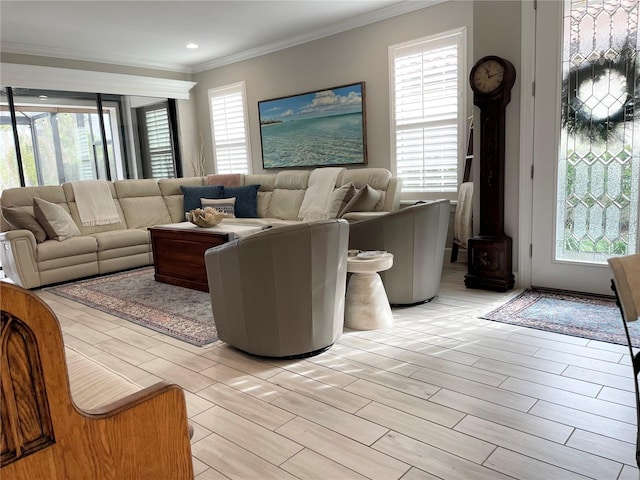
point(19, 258)
point(358, 216)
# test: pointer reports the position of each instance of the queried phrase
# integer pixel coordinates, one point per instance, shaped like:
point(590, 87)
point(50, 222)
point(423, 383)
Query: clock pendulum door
point(490, 253)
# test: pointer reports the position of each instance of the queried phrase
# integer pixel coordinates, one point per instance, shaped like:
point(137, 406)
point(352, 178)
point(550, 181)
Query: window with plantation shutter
point(428, 111)
point(230, 134)
point(156, 142)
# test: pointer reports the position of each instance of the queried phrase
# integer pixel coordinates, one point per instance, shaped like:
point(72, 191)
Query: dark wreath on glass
point(586, 113)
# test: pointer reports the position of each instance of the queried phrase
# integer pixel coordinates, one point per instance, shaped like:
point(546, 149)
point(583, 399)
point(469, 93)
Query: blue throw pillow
point(246, 200)
point(192, 195)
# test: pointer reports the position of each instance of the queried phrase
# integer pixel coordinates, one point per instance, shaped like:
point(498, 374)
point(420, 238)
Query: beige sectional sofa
point(141, 204)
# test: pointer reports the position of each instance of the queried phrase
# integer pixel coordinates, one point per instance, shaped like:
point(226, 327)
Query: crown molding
point(384, 13)
point(87, 56)
point(67, 79)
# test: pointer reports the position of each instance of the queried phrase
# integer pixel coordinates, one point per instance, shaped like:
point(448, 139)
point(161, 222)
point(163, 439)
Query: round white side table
point(366, 304)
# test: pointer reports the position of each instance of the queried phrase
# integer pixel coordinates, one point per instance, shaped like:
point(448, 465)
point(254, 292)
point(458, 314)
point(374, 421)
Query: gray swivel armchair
point(281, 292)
point(416, 237)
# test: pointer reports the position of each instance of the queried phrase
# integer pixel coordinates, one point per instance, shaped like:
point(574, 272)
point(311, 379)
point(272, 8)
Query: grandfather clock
point(489, 263)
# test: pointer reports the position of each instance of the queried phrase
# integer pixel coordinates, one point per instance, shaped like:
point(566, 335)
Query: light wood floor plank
point(525, 422)
point(586, 421)
point(474, 389)
point(559, 455)
point(607, 447)
point(569, 399)
point(339, 421)
point(537, 376)
point(433, 460)
point(251, 408)
point(235, 462)
point(420, 407)
point(427, 432)
point(309, 465)
point(527, 468)
point(261, 441)
point(248, 384)
point(340, 449)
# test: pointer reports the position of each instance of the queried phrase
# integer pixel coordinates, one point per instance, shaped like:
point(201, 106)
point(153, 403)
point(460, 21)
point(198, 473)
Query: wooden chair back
point(44, 435)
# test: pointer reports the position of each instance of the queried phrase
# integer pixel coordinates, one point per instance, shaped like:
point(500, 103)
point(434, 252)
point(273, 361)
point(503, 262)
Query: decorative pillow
point(192, 195)
point(224, 205)
point(55, 220)
point(246, 200)
point(339, 199)
point(20, 219)
point(364, 200)
point(334, 204)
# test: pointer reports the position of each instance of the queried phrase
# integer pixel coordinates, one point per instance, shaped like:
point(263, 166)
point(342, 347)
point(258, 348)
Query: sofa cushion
point(121, 238)
point(55, 220)
point(20, 219)
point(288, 192)
point(173, 196)
point(192, 195)
point(267, 182)
point(74, 246)
point(246, 200)
point(142, 203)
point(364, 200)
point(224, 205)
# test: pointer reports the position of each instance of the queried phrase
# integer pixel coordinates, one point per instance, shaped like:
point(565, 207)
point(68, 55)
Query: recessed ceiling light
point(192, 45)
point(43, 97)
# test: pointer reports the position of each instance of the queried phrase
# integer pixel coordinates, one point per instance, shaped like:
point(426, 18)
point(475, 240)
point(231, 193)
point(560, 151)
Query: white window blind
point(230, 135)
point(428, 113)
point(159, 143)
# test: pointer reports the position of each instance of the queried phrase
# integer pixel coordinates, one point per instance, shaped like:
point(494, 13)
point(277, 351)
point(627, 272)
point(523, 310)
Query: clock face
point(488, 76)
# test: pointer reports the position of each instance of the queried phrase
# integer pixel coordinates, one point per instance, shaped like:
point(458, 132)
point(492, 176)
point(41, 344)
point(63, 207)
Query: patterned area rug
point(135, 296)
point(596, 318)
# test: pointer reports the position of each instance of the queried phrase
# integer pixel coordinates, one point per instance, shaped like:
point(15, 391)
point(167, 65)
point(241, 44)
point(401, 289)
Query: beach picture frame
point(320, 128)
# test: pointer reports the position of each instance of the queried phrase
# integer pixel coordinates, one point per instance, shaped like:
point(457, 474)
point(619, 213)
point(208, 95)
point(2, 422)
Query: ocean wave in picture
point(315, 141)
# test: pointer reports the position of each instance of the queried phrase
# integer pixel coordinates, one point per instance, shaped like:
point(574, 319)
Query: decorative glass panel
point(599, 157)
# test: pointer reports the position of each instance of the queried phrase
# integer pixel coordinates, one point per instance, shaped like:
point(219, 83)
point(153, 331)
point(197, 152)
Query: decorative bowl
point(205, 217)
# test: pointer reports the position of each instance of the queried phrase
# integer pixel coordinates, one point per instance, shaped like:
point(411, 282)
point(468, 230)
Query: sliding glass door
point(58, 137)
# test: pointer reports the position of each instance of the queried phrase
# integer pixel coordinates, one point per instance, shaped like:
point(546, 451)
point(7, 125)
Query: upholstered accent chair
point(281, 292)
point(416, 236)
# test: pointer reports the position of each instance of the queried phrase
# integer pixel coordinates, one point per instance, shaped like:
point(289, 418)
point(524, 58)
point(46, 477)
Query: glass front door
point(587, 142)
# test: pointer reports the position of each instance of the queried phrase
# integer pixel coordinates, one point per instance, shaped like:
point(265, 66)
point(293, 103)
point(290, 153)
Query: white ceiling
point(154, 34)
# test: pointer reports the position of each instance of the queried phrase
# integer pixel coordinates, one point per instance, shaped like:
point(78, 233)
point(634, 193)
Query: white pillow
point(225, 205)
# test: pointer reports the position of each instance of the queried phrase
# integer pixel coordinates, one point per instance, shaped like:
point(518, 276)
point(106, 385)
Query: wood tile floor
point(440, 395)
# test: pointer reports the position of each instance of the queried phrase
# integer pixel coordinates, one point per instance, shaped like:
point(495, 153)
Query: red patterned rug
point(135, 296)
point(596, 318)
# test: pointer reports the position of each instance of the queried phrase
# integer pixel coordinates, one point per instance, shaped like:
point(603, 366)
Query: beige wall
point(356, 55)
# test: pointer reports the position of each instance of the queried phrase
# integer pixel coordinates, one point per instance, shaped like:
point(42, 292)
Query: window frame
point(459, 37)
point(238, 87)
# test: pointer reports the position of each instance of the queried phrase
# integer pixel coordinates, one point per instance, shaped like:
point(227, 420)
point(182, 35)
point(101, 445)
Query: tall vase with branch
point(198, 161)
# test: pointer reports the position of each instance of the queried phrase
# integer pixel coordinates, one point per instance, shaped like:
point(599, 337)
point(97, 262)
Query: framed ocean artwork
point(320, 128)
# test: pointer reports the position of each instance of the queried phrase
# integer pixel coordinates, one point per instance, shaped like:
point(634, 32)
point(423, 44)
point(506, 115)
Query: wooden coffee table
point(178, 251)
